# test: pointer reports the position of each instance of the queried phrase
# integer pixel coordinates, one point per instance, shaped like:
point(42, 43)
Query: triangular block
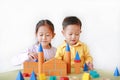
point(67, 47)
point(33, 77)
point(77, 57)
point(116, 72)
point(40, 49)
point(19, 76)
point(85, 67)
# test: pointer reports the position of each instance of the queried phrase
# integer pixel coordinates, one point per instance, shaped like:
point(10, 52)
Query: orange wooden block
point(68, 61)
point(40, 61)
point(55, 67)
point(28, 67)
point(77, 67)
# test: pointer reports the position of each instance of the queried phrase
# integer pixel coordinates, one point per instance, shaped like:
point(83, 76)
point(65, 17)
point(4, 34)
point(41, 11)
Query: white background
point(100, 30)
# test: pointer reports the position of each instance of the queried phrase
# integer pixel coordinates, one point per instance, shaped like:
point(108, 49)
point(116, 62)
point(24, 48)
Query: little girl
point(44, 33)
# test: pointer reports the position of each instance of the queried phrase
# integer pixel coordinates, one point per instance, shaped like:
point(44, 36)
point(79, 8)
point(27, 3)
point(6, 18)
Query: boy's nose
point(73, 36)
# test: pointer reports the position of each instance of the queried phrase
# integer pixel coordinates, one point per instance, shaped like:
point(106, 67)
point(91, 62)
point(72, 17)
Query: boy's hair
point(44, 22)
point(71, 20)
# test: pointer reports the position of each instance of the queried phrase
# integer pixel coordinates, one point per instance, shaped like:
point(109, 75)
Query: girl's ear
point(53, 35)
point(35, 34)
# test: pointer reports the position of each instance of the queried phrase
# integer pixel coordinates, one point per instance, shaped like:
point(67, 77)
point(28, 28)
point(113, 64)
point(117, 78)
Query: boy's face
point(72, 34)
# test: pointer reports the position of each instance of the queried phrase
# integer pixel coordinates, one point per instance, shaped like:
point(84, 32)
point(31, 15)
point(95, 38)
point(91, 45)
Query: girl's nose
point(44, 37)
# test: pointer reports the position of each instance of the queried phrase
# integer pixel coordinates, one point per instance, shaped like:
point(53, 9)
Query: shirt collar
point(78, 43)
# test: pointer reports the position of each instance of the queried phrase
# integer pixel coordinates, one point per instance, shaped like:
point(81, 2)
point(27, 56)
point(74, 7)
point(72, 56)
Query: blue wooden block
point(33, 77)
point(94, 74)
point(85, 67)
point(52, 78)
point(77, 57)
point(40, 49)
point(116, 72)
point(19, 76)
point(67, 47)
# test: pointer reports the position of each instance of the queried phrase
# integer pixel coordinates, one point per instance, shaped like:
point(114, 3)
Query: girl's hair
point(44, 23)
point(71, 20)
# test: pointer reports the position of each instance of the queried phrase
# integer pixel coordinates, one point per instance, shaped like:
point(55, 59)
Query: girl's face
point(72, 34)
point(44, 36)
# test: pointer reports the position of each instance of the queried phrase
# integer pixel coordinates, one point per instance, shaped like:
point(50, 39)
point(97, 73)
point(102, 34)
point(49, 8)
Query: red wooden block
point(26, 75)
point(64, 78)
point(77, 61)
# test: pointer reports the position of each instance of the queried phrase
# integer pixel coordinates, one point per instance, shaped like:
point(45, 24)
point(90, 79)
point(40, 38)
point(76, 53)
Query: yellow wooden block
point(86, 76)
point(42, 77)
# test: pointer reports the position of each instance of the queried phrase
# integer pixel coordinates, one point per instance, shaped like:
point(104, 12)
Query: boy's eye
point(76, 34)
point(70, 34)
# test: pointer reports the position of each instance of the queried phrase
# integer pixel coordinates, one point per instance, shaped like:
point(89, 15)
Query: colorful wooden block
point(64, 78)
point(86, 76)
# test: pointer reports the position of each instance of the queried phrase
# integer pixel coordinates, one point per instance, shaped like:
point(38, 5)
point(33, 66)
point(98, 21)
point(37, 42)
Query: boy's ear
point(62, 32)
point(80, 31)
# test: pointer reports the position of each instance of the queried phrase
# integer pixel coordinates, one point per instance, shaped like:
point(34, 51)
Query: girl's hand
point(90, 66)
point(33, 56)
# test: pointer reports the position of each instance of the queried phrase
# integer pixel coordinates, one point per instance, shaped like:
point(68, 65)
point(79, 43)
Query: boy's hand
point(90, 66)
point(33, 56)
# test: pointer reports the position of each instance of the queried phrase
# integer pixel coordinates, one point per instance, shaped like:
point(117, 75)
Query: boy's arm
point(58, 53)
point(88, 57)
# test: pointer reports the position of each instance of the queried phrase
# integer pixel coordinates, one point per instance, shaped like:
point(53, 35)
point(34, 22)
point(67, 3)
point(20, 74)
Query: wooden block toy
point(85, 67)
point(28, 67)
point(26, 75)
point(86, 76)
point(55, 67)
point(42, 77)
point(52, 78)
point(74, 78)
point(40, 59)
point(77, 64)
point(33, 76)
point(68, 58)
point(77, 68)
point(20, 76)
point(64, 78)
point(116, 72)
point(77, 58)
point(94, 74)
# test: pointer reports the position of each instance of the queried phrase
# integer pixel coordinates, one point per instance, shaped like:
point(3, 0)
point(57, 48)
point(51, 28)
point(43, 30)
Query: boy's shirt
point(80, 47)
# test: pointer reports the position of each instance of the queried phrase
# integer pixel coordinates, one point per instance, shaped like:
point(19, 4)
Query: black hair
point(43, 23)
point(71, 20)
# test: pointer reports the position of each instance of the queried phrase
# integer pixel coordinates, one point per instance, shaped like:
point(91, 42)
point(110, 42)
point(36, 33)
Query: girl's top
point(21, 58)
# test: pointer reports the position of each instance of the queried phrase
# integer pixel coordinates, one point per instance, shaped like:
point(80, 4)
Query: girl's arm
point(20, 58)
point(23, 56)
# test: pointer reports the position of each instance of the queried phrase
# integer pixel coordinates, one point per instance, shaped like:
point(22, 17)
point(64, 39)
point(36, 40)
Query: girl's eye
point(47, 35)
point(41, 34)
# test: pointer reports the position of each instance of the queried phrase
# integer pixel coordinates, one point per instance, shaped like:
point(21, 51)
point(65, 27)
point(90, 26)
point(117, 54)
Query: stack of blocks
point(53, 67)
point(77, 64)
